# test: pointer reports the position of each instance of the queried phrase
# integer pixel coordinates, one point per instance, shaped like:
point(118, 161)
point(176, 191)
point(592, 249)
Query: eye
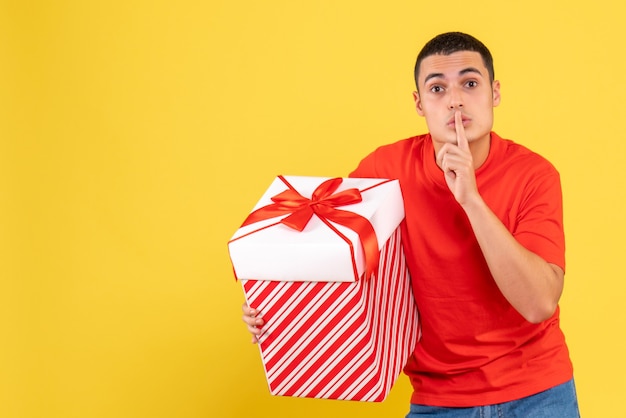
point(472, 83)
point(436, 89)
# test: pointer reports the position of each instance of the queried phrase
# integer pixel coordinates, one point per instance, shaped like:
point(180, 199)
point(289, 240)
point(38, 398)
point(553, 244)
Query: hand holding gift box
point(333, 330)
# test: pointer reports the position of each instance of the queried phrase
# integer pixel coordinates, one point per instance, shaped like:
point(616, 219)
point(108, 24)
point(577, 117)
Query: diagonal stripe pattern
point(338, 340)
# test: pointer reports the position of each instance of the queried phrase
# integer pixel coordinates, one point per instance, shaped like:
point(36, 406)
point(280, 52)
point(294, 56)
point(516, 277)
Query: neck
point(480, 150)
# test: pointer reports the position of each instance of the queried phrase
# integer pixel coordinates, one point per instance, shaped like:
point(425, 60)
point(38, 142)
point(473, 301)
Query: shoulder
point(520, 158)
point(388, 160)
point(522, 172)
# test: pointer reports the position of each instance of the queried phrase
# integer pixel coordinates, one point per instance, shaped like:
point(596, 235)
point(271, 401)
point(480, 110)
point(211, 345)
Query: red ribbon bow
point(323, 203)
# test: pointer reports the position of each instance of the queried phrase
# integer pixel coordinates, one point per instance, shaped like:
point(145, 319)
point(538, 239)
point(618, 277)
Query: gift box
point(322, 260)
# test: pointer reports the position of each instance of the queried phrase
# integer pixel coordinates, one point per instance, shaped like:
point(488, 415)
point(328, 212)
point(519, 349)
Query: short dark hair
point(450, 42)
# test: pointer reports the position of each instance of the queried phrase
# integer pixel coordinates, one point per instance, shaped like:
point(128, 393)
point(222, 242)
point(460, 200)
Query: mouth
point(464, 120)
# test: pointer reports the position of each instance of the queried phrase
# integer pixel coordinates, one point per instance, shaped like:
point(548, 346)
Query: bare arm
point(532, 285)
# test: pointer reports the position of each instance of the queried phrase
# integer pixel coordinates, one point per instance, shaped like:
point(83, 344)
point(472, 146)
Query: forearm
point(532, 285)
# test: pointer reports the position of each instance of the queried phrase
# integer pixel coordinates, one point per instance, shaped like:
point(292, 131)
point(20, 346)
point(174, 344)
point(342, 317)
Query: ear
point(496, 93)
point(418, 103)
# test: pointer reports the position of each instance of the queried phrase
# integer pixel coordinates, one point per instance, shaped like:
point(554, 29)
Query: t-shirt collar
point(435, 173)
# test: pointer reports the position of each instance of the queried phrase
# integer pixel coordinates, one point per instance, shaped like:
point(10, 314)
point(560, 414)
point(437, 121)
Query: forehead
point(452, 65)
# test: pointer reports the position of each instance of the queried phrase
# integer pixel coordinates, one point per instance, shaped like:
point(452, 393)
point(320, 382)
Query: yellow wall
point(136, 135)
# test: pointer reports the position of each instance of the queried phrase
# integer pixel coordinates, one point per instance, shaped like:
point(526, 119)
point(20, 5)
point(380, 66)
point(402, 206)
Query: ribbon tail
point(298, 219)
point(365, 230)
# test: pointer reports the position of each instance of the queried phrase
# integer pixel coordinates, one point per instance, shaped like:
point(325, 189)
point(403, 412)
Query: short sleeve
point(366, 168)
point(540, 219)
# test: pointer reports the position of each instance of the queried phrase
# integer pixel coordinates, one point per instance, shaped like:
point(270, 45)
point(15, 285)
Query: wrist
point(474, 205)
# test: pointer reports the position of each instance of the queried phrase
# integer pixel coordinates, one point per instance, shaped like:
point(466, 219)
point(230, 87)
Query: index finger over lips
point(461, 139)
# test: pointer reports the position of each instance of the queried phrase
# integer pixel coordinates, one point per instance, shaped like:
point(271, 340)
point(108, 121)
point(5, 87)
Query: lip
point(464, 121)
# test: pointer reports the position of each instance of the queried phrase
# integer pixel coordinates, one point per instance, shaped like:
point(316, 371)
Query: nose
point(456, 101)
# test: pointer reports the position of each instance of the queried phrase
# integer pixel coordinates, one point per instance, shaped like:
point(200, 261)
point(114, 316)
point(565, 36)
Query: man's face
point(459, 81)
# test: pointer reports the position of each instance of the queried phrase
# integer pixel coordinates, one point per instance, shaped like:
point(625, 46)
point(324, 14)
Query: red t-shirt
point(475, 349)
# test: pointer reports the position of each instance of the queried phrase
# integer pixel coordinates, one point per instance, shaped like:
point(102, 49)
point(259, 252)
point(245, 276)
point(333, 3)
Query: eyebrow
point(462, 72)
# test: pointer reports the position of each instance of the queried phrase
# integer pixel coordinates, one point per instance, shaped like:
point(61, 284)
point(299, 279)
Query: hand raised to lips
point(457, 164)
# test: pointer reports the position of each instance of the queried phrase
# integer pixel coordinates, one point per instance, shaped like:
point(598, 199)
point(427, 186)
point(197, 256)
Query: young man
point(483, 238)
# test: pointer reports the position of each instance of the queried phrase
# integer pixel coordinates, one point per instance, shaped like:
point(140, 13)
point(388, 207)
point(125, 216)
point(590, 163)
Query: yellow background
point(136, 135)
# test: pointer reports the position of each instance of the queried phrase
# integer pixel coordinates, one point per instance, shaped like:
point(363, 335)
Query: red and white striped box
point(333, 330)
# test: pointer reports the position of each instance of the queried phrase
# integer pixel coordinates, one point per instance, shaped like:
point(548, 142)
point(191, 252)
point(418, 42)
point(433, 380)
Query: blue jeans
point(557, 402)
